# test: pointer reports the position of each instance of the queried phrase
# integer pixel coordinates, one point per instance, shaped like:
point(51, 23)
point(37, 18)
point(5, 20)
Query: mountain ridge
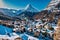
point(29, 11)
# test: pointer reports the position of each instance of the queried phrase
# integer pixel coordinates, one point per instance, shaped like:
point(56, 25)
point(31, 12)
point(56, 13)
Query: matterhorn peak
point(31, 8)
point(28, 6)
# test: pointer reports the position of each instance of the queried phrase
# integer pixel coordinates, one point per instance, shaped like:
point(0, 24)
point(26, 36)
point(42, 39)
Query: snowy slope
point(9, 12)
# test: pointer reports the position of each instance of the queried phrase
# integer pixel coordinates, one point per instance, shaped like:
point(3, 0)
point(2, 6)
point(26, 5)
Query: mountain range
point(28, 11)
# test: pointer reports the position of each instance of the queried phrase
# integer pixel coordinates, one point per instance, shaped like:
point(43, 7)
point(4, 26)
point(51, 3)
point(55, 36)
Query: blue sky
point(20, 4)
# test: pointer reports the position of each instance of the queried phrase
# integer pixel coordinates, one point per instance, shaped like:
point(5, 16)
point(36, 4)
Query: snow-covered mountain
point(28, 8)
point(31, 8)
point(28, 11)
point(13, 12)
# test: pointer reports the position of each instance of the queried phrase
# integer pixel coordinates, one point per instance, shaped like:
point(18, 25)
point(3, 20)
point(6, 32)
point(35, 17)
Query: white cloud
point(1, 4)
